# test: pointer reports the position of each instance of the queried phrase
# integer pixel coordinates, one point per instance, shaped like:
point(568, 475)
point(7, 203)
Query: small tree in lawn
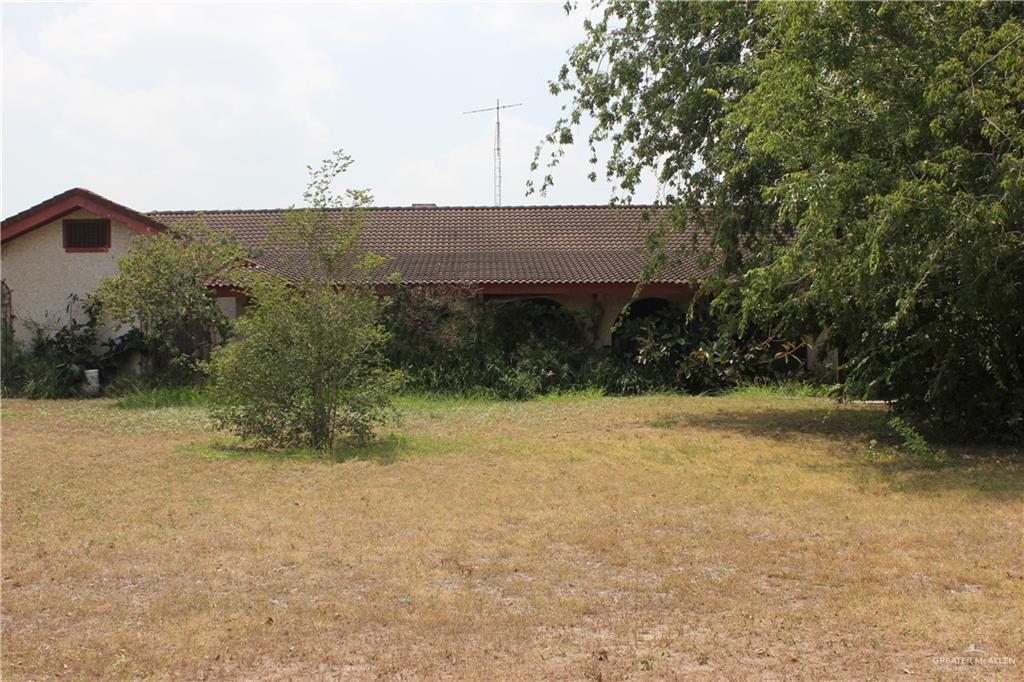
point(307, 366)
point(162, 289)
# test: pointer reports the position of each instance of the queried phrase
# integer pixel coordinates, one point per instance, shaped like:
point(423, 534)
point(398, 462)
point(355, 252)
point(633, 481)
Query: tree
point(861, 168)
point(307, 365)
point(162, 289)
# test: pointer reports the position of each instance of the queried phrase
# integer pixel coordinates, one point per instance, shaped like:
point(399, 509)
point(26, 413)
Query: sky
point(203, 106)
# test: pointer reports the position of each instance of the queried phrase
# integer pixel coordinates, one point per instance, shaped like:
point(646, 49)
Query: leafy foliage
point(916, 445)
point(860, 167)
point(446, 342)
point(54, 364)
point(671, 350)
point(162, 291)
point(307, 365)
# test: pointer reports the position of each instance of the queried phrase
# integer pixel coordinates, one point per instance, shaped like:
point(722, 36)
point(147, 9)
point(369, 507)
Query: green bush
point(446, 342)
point(161, 290)
point(669, 350)
point(53, 365)
point(307, 367)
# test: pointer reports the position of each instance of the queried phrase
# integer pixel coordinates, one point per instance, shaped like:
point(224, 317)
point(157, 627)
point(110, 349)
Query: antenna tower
point(498, 106)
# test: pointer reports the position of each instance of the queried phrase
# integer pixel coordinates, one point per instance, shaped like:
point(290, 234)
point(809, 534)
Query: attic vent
point(424, 205)
point(86, 235)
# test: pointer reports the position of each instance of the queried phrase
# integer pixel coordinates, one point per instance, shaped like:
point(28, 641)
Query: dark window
point(87, 235)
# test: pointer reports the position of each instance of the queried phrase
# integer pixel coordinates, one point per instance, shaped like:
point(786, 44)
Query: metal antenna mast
point(498, 106)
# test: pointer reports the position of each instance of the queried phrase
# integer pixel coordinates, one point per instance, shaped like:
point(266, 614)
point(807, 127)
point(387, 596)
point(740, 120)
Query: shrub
point(444, 341)
point(54, 364)
point(162, 291)
point(308, 364)
point(306, 368)
point(671, 350)
point(435, 338)
point(916, 445)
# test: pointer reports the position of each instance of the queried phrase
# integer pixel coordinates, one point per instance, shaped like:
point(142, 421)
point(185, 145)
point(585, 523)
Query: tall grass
point(165, 396)
point(779, 389)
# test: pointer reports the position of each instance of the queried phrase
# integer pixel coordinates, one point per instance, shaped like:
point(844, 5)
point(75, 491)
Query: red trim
point(70, 201)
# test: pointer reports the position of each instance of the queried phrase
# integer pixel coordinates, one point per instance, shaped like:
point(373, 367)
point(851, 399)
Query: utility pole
point(498, 106)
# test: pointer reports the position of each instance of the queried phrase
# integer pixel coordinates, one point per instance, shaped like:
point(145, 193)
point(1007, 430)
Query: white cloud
point(202, 82)
point(199, 105)
point(464, 174)
point(544, 23)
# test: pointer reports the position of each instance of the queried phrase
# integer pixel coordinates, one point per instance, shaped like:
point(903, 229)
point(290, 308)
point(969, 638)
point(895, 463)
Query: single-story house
point(583, 257)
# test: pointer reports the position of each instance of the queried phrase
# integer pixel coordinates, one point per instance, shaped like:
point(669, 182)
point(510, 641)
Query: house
point(583, 257)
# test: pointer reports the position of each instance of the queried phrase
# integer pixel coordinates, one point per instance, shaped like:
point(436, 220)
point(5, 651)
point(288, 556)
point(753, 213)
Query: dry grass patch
point(658, 537)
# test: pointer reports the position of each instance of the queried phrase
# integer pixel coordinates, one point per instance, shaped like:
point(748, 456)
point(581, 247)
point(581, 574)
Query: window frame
point(68, 223)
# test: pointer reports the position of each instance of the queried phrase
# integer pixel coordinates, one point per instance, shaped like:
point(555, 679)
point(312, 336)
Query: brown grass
point(647, 538)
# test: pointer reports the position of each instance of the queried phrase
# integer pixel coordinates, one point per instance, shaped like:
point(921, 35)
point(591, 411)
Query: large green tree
point(859, 166)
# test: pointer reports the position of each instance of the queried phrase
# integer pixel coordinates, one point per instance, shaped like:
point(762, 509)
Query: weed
point(163, 397)
point(916, 445)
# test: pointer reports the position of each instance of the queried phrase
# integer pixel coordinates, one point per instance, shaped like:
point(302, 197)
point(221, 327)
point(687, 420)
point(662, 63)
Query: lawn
point(745, 536)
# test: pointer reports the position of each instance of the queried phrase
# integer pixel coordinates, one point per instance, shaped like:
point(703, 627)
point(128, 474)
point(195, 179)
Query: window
point(87, 235)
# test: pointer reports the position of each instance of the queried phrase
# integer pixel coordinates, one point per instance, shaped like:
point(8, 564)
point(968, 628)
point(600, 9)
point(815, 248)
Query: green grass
point(417, 402)
point(167, 396)
point(785, 389)
point(384, 450)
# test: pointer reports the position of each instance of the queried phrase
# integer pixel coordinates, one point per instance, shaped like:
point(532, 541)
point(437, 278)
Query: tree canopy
point(162, 289)
point(860, 167)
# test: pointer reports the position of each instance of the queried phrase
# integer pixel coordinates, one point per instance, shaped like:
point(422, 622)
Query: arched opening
point(641, 318)
point(540, 322)
point(647, 307)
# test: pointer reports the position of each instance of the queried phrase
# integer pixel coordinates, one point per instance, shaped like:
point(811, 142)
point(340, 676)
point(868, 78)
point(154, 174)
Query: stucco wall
point(41, 274)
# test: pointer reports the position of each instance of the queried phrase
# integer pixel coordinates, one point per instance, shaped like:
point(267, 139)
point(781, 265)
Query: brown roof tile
point(485, 245)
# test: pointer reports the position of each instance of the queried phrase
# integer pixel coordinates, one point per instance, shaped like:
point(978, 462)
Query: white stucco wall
point(41, 274)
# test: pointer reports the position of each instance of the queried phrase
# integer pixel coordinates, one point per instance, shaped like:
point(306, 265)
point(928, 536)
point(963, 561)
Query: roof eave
point(62, 204)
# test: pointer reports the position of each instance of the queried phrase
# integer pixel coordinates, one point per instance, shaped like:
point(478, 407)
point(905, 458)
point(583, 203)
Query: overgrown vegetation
point(915, 444)
point(143, 396)
point(444, 341)
point(162, 292)
point(307, 365)
point(53, 363)
point(859, 168)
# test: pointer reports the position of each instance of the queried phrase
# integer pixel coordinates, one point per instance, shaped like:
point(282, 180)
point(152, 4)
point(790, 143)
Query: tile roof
point(486, 245)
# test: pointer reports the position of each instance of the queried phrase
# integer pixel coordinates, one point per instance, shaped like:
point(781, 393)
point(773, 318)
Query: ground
point(737, 537)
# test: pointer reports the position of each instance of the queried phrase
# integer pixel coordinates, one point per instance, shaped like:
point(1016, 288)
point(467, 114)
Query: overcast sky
point(167, 106)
